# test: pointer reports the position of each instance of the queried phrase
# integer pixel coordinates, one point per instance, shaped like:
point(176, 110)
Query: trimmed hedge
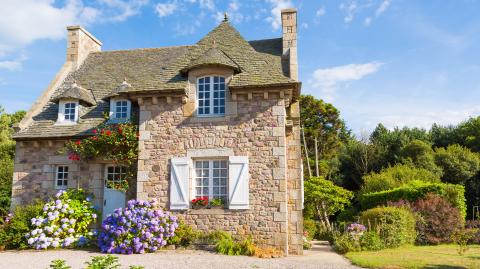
point(416, 190)
point(396, 226)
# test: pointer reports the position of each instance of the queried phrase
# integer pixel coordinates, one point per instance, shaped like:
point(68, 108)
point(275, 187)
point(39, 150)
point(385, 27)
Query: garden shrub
point(59, 264)
point(214, 236)
point(140, 227)
point(344, 243)
point(417, 190)
point(103, 262)
point(371, 241)
point(461, 237)
point(396, 226)
point(227, 245)
point(396, 176)
point(17, 224)
point(64, 221)
point(184, 236)
point(437, 220)
point(474, 224)
point(310, 228)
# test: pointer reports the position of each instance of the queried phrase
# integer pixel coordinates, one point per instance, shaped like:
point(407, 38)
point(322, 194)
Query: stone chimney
point(289, 29)
point(79, 44)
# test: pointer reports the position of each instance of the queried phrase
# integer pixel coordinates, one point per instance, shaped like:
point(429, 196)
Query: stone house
point(219, 118)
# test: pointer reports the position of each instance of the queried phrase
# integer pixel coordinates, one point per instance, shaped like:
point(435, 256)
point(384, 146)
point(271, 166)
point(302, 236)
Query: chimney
point(289, 29)
point(79, 44)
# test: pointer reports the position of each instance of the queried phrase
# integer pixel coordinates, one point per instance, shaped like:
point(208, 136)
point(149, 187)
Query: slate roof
point(75, 91)
point(257, 63)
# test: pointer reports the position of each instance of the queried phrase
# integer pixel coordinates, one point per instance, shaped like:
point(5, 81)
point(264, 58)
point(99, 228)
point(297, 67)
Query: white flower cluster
point(56, 228)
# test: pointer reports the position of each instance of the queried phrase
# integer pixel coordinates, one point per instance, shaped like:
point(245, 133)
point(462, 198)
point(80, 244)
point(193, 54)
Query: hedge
point(396, 226)
point(416, 190)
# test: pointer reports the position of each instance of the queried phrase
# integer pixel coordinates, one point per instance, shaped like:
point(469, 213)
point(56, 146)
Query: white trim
point(62, 187)
point(211, 99)
point(113, 108)
point(61, 112)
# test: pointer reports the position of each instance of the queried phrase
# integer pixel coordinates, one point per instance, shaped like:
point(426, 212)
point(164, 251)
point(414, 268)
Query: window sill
point(209, 211)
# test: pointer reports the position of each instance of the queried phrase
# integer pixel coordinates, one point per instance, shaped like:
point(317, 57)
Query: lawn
point(429, 257)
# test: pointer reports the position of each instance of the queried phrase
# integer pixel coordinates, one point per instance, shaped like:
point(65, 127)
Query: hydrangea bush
point(64, 222)
point(140, 227)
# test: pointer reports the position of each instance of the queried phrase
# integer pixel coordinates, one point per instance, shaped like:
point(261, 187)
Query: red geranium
point(200, 201)
point(108, 132)
point(94, 131)
point(78, 142)
point(120, 131)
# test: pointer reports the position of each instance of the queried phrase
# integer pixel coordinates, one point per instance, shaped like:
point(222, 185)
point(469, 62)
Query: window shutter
point(179, 183)
point(238, 182)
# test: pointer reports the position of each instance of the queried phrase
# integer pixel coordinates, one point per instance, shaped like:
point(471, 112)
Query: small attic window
point(211, 96)
point(67, 112)
point(120, 109)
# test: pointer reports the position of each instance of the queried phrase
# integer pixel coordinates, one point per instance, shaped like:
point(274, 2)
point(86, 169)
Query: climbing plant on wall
point(115, 142)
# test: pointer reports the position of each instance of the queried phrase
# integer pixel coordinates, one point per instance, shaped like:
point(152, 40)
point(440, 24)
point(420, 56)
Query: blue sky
point(397, 62)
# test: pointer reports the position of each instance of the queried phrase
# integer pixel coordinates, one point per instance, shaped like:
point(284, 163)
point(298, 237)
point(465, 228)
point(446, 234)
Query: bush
point(12, 235)
point(64, 222)
point(437, 220)
point(371, 241)
point(461, 237)
point(138, 228)
point(396, 226)
point(396, 176)
point(103, 262)
point(417, 190)
point(59, 264)
point(184, 236)
point(310, 228)
point(228, 246)
point(344, 243)
point(474, 224)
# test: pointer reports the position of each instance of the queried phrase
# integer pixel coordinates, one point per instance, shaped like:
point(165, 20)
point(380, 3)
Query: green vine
point(115, 142)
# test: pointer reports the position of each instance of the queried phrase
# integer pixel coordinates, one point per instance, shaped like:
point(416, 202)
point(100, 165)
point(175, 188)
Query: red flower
point(108, 133)
point(94, 131)
point(78, 142)
point(102, 131)
point(120, 130)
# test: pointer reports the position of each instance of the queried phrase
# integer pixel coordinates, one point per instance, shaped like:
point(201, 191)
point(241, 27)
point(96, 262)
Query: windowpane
point(211, 95)
point(211, 178)
point(121, 109)
point(61, 177)
point(69, 111)
point(115, 174)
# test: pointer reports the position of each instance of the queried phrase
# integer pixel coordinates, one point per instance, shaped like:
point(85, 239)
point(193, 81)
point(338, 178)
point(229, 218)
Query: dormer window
point(211, 96)
point(120, 109)
point(67, 112)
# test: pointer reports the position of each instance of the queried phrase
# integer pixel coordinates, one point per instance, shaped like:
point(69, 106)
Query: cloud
point(382, 8)
point(13, 65)
point(329, 80)
point(233, 13)
point(321, 12)
point(350, 9)
point(165, 9)
point(120, 10)
point(277, 5)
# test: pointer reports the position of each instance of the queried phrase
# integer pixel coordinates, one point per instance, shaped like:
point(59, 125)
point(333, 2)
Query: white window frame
point(122, 171)
point(211, 98)
point(61, 112)
point(64, 179)
point(113, 108)
point(211, 178)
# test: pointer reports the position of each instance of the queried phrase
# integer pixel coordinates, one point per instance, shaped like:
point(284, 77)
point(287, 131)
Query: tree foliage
point(459, 164)
point(323, 199)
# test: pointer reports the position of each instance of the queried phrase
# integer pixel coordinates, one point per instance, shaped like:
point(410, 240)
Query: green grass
point(413, 257)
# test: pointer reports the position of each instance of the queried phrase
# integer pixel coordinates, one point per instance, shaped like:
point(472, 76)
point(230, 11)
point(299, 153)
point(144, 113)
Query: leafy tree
point(443, 136)
point(459, 164)
point(396, 176)
point(420, 154)
point(321, 121)
point(469, 134)
point(323, 199)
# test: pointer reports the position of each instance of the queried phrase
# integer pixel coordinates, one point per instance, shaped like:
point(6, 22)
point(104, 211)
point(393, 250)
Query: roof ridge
point(266, 39)
point(139, 49)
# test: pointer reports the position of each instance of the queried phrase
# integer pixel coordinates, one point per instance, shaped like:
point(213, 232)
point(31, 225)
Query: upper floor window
point(120, 109)
point(68, 112)
point(211, 95)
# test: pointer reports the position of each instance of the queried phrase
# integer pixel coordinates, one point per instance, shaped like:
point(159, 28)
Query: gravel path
point(320, 256)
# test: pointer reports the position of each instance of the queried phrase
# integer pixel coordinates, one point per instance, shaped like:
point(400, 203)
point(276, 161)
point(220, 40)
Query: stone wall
point(35, 167)
point(254, 128)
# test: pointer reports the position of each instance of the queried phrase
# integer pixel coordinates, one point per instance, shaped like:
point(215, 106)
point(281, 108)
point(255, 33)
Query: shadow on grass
point(441, 266)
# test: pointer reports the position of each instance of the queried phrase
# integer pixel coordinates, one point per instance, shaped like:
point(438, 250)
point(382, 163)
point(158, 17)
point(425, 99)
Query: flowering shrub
point(116, 142)
point(356, 229)
point(140, 227)
point(201, 201)
point(64, 221)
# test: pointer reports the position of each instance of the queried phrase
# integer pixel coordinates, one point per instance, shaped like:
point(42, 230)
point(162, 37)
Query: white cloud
point(165, 9)
point(367, 21)
point(382, 8)
point(208, 4)
point(233, 13)
point(321, 12)
point(277, 5)
point(13, 64)
point(120, 10)
point(350, 9)
point(329, 80)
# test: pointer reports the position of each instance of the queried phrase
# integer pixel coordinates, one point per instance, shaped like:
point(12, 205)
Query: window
point(211, 179)
point(67, 112)
point(61, 179)
point(114, 175)
point(211, 96)
point(120, 109)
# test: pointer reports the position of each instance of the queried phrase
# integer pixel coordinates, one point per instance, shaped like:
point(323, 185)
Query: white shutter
point(238, 182)
point(179, 183)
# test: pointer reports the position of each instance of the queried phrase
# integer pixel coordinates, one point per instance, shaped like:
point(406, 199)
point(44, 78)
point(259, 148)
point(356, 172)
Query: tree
point(321, 122)
point(420, 154)
point(396, 176)
point(469, 134)
point(459, 164)
point(323, 199)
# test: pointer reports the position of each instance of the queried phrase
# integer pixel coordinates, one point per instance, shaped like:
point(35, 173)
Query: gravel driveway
point(320, 256)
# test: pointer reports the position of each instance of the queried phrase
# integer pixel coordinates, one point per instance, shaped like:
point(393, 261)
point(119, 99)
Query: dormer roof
point(212, 57)
point(75, 91)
